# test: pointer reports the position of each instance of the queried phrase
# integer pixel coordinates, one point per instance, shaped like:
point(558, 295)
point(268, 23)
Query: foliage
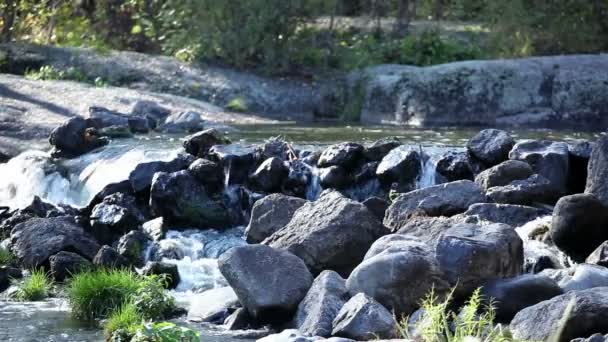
point(6, 257)
point(123, 323)
point(151, 300)
point(35, 287)
point(165, 332)
point(50, 73)
point(237, 105)
point(430, 48)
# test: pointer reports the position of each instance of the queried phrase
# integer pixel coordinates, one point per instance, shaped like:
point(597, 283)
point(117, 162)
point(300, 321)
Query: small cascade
point(313, 189)
point(427, 176)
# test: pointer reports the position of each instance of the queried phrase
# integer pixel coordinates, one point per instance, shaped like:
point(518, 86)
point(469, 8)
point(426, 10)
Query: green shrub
point(6, 257)
point(429, 48)
point(35, 287)
point(123, 323)
point(165, 332)
point(237, 105)
point(151, 300)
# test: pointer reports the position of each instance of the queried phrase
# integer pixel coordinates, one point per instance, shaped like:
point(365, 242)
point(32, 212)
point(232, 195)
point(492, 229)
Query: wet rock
point(334, 177)
point(365, 172)
point(585, 277)
point(64, 264)
point(35, 240)
point(270, 214)
point(299, 177)
point(179, 198)
point(139, 125)
point(398, 271)
point(439, 200)
point(511, 214)
point(109, 257)
point(579, 154)
point(151, 111)
point(317, 311)
point(240, 319)
point(123, 187)
point(208, 173)
point(503, 174)
point(491, 146)
point(346, 155)
point(276, 147)
point(587, 315)
point(238, 161)
point(115, 215)
point(182, 122)
point(599, 256)
point(592, 338)
point(534, 189)
point(213, 306)
point(310, 158)
point(377, 206)
point(510, 296)
point(7, 274)
point(102, 117)
point(454, 166)
point(470, 255)
point(597, 177)
point(270, 175)
point(155, 229)
point(74, 137)
point(401, 165)
point(199, 144)
point(132, 246)
point(169, 271)
point(268, 282)
point(579, 225)
point(141, 177)
point(333, 232)
point(362, 319)
point(380, 148)
point(428, 229)
point(549, 159)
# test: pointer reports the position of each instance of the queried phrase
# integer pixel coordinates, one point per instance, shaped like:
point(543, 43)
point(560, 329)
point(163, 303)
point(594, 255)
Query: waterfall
point(313, 190)
point(428, 171)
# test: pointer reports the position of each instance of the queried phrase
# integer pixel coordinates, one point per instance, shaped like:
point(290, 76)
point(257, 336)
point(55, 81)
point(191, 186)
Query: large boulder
point(346, 155)
point(238, 161)
point(597, 176)
point(380, 148)
point(579, 152)
point(270, 175)
point(439, 200)
point(401, 165)
point(269, 283)
point(547, 158)
point(334, 177)
point(132, 247)
point(580, 225)
point(74, 137)
point(141, 177)
point(470, 255)
point(321, 305)
point(108, 257)
point(503, 174)
point(362, 319)
point(510, 296)
point(333, 233)
point(64, 264)
point(398, 272)
point(428, 229)
point(35, 240)
point(455, 166)
point(179, 198)
point(511, 214)
point(491, 146)
point(534, 189)
point(199, 144)
point(114, 216)
point(269, 215)
point(208, 173)
point(563, 318)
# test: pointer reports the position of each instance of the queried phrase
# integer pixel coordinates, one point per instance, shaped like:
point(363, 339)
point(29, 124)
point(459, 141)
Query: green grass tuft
point(123, 323)
point(237, 105)
point(6, 257)
point(35, 287)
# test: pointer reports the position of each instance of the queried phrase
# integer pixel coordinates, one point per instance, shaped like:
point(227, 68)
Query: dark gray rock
point(380, 148)
point(455, 166)
point(334, 177)
point(511, 214)
point(592, 338)
point(362, 319)
point(270, 214)
point(321, 305)
point(439, 200)
point(597, 176)
point(534, 189)
point(132, 246)
point(270, 175)
point(114, 216)
point(377, 206)
point(240, 319)
point(102, 117)
point(276, 147)
point(333, 232)
point(579, 153)
point(585, 276)
point(65, 264)
point(401, 165)
point(238, 162)
point(428, 229)
point(599, 256)
point(155, 229)
point(151, 111)
point(510, 296)
point(586, 310)
point(35, 240)
point(163, 269)
point(7, 274)
point(579, 225)
point(199, 144)
point(365, 172)
point(547, 158)
point(208, 173)
point(74, 137)
point(346, 155)
point(491, 146)
point(469, 255)
point(141, 177)
point(213, 306)
point(398, 271)
point(269, 283)
point(299, 177)
point(503, 174)
point(123, 187)
point(181, 122)
point(109, 257)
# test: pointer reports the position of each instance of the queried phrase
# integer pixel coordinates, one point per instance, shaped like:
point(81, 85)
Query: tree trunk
point(8, 20)
point(403, 18)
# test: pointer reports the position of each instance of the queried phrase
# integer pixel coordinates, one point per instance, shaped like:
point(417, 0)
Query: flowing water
point(195, 252)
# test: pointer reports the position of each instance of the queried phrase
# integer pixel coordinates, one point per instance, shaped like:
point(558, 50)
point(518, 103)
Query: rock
point(64, 264)
point(270, 214)
point(547, 158)
point(163, 269)
point(586, 312)
point(534, 189)
point(199, 144)
point(377, 206)
point(362, 319)
point(592, 338)
point(334, 177)
point(401, 165)
point(123, 187)
point(503, 174)
point(188, 121)
point(115, 215)
point(151, 111)
point(469, 255)
point(597, 176)
point(141, 177)
point(454, 166)
point(208, 173)
point(75, 137)
point(237, 161)
point(269, 283)
point(299, 177)
point(132, 246)
point(491, 146)
point(579, 153)
point(398, 271)
point(179, 198)
point(579, 225)
point(428, 229)
point(276, 147)
point(240, 319)
point(380, 148)
point(140, 125)
point(365, 172)
point(270, 175)
point(317, 311)
point(513, 215)
point(102, 117)
point(109, 257)
point(599, 256)
point(585, 277)
point(346, 155)
point(7, 274)
point(333, 232)
point(213, 306)
point(35, 240)
point(510, 296)
point(155, 229)
point(439, 200)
